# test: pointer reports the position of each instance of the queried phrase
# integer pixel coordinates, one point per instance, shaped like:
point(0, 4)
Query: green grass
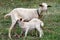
point(51, 20)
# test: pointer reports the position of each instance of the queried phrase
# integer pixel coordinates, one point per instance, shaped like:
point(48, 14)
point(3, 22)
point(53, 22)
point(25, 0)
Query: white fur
point(34, 23)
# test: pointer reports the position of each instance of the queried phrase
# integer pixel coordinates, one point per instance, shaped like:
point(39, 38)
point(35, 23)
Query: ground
point(51, 19)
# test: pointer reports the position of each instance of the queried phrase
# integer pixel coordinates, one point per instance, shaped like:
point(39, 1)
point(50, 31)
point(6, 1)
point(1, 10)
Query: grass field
point(51, 20)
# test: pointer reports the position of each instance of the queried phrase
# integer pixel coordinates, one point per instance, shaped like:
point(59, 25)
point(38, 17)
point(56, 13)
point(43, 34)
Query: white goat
point(26, 14)
point(32, 24)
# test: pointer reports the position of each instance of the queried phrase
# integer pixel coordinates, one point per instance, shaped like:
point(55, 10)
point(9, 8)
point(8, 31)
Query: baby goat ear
point(20, 19)
point(49, 6)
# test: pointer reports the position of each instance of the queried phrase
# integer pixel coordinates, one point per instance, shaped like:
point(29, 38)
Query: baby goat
point(32, 24)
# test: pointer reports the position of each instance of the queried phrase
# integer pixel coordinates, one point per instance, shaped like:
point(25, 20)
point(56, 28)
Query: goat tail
point(42, 24)
point(6, 15)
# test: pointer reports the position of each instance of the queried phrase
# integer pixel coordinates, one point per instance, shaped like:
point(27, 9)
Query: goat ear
point(49, 6)
point(41, 5)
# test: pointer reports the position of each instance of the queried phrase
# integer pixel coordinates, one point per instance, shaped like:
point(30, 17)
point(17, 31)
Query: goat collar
point(38, 12)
